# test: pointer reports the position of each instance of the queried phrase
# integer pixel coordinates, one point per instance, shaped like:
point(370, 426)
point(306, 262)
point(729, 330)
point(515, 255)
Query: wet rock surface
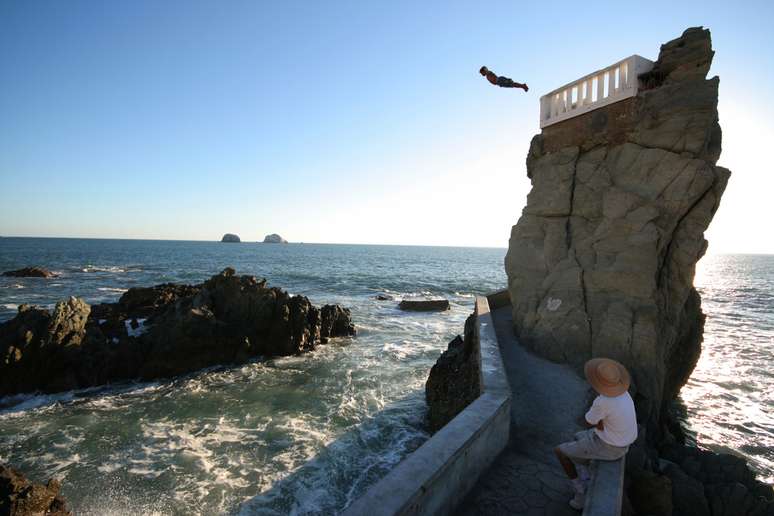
point(455, 379)
point(30, 272)
point(424, 305)
point(21, 497)
point(689, 481)
point(160, 332)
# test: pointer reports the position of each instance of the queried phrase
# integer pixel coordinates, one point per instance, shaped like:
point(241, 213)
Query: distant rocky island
point(231, 238)
point(160, 332)
point(274, 238)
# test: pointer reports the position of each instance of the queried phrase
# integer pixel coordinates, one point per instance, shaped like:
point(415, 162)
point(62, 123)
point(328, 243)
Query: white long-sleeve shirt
point(618, 417)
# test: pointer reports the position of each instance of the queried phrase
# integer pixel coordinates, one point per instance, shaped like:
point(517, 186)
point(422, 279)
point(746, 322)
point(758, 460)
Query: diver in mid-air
point(503, 82)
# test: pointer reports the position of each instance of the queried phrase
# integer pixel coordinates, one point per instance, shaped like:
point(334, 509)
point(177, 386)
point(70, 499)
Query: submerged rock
point(602, 260)
point(455, 379)
point(30, 272)
point(274, 238)
point(159, 332)
point(20, 497)
point(424, 305)
point(230, 238)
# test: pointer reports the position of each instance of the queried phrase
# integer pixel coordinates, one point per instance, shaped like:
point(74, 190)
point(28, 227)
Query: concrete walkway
point(547, 405)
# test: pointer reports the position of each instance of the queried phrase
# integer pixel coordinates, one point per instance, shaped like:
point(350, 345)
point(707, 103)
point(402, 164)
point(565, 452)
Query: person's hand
point(526, 88)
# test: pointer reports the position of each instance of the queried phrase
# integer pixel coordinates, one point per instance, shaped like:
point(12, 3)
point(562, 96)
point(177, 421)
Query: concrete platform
point(548, 402)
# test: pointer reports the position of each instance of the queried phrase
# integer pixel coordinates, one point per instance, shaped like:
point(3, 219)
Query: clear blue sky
point(362, 122)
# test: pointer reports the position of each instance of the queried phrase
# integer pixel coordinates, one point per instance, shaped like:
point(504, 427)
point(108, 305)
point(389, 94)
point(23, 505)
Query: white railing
point(606, 86)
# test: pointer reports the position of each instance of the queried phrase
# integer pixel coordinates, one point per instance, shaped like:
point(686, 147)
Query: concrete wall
point(605, 493)
point(437, 476)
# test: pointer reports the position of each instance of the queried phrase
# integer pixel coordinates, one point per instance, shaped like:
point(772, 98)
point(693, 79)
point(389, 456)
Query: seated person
point(613, 425)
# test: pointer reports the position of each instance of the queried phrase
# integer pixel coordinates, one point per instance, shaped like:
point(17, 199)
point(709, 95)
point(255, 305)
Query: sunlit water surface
point(730, 396)
point(308, 434)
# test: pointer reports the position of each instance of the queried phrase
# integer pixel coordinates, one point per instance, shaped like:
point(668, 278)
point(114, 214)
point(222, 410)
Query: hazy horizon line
point(247, 241)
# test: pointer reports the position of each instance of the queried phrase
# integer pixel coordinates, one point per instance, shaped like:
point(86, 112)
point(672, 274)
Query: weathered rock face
point(20, 497)
point(689, 481)
point(455, 379)
point(602, 260)
point(30, 272)
point(274, 238)
point(230, 238)
point(160, 332)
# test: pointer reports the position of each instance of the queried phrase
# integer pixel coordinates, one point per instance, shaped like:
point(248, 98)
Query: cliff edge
point(602, 260)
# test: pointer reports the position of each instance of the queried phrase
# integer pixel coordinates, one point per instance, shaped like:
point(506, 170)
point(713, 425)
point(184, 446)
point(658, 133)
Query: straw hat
point(608, 377)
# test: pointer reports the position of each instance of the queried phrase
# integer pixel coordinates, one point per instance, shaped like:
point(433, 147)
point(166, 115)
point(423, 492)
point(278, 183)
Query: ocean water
point(729, 398)
point(308, 434)
point(299, 435)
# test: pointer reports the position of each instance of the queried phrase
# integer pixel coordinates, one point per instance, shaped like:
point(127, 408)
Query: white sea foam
point(112, 289)
point(18, 404)
point(110, 268)
point(10, 306)
point(135, 332)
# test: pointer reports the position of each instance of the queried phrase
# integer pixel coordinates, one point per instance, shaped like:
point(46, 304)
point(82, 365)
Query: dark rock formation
point(424, 305)
point(20, 497)
point(274, 238)
point(160, 332)
point(30, 272)
point(689, 481)
point(230, 238)
point(455, 379)
point(602, 260)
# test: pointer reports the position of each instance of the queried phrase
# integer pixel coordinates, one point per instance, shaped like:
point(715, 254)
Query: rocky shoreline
point(160, 332)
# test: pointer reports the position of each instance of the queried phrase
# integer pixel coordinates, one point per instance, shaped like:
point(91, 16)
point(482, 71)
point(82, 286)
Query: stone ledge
point(605, 492)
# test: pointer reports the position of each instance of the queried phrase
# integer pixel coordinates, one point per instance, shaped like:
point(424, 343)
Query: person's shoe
point(579, 487)
point(583, 473)
point(578, 501)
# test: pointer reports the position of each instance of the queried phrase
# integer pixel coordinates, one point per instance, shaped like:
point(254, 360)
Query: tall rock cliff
point(602, 260)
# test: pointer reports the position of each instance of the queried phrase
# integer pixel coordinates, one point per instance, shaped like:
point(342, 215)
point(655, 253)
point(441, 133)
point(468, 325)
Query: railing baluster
point(611, 82)
point(600, 86)
point(590, 91)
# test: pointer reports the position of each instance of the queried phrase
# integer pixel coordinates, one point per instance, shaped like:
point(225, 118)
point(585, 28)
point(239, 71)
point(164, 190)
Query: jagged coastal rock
point(30, 272)
point(274, 238)
point(20, 497)
point(455, 379)
point(230, 238)
point(160, 332)
point(602, 260)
